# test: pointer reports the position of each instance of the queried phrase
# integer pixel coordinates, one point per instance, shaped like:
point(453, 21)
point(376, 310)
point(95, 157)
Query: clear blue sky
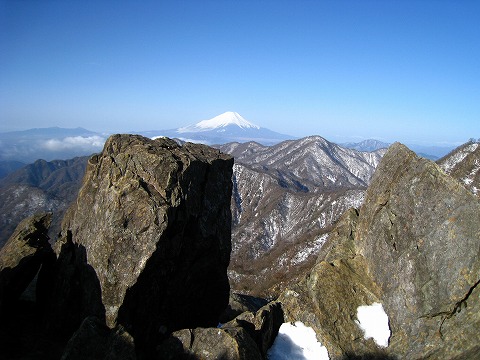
point(391, 70)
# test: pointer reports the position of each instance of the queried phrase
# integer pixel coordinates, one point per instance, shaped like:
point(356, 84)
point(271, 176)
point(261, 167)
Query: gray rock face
point(420, 231)
point(414, 246)
point(152, 221)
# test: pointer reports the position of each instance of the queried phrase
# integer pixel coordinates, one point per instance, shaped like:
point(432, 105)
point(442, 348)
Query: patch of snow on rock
point(373, 320)
point(297, 341)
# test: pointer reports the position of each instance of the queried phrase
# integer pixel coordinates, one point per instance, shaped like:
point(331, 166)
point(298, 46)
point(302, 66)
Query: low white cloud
point(80, 143)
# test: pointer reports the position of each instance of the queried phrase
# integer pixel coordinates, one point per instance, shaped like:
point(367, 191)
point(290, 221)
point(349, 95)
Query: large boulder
point(414, 247)
point(95, 341)
point(420, 231)
point(247, 337)
point(152, 224)
point(240, 303)
point(262, 325)
point(209, 344)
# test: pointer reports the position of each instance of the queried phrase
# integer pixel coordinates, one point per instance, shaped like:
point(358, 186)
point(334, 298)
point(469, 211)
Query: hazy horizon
point(345, 70)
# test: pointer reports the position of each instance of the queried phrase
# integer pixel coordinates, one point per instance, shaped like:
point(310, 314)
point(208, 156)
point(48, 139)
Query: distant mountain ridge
point(366, 145)
point(57, 143)
point(53, 143)
point(41, 186)
point(286, 197)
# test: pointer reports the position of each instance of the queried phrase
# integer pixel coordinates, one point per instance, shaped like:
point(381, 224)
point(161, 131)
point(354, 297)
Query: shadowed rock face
point(22, 256)
point(24, 288)
point(414, 246)
point(153, 220)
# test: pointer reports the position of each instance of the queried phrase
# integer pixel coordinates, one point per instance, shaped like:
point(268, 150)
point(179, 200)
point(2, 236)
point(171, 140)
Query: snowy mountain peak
point(226, 119)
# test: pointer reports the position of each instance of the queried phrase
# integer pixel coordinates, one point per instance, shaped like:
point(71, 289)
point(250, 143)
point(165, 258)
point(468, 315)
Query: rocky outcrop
point(262, 325)
point(209, 343)
point(328, 298)
point(143, 252)
point(240, 303)
point(148, 239)
point(94, 340)
point(25, 263)
point(21, 258)
point(420, 231)
point(247, 337)
point(414, 247)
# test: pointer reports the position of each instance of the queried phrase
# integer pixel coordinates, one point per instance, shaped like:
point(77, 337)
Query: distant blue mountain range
point(56, 143)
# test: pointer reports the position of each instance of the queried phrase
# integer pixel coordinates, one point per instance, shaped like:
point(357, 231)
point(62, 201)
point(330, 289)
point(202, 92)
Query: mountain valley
point(285, 200)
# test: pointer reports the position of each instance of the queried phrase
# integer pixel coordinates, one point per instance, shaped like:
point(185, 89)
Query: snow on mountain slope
point(463, 163)
point(285, 199)
point(226, 119)
point(449, 162)
point(310, 161)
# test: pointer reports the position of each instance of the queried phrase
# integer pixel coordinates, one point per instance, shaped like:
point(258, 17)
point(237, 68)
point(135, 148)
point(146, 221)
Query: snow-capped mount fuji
point(219, 122)
point(224, 128)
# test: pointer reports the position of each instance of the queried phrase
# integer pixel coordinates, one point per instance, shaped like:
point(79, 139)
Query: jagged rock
point(25, 261)
point(420, 231)
point(210, 344)
point(240, 303)
point(248, 336)
point(152, 223)
point(76, 292)
point(414, 247)
point(328, 297)
point(262, 325)
point(340, 243)
point(95, 341)
point(327, 300)
point(22, 256)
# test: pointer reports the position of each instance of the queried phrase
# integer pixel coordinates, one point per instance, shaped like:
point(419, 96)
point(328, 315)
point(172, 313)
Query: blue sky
point(345, 70)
